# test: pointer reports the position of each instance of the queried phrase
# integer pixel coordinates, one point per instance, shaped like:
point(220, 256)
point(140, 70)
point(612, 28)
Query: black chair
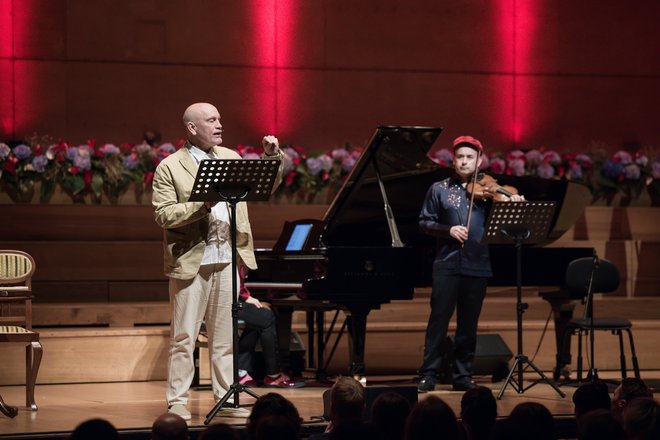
point(584, 277)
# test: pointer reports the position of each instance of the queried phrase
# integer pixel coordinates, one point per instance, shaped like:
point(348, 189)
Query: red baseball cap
point(468, 141)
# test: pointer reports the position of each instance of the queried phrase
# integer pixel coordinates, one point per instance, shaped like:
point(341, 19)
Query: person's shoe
point(426, 384)
point(282, 381)
point(247, 381)
point(240, 413)
point(179, 410)
point(463, 385)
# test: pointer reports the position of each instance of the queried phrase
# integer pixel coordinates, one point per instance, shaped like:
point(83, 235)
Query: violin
point(485, 187)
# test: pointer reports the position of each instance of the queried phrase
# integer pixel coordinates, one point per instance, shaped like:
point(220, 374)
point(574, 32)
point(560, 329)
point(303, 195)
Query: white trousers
point(208, 295)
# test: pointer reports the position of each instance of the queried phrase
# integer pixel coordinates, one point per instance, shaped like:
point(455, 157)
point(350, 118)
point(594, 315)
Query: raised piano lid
point(357, 217)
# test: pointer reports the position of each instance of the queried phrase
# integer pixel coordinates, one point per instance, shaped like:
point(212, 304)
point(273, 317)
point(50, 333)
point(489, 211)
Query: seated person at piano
point(260, 325)
point(461, 268)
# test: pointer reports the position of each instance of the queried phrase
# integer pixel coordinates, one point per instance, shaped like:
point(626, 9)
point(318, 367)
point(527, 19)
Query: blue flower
point(39, 163)
point(612, 169)
point(22, 151)
point(4, 150)
point(545, 171)
point(314, 166)
point(109, 149)
point(130, 163)
point(632, 172)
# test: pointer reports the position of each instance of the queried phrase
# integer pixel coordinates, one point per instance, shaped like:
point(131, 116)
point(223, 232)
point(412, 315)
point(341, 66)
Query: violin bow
point(474, 184)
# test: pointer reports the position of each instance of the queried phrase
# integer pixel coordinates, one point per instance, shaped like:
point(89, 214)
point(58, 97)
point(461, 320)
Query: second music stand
point(233, 181)
point(520, 222)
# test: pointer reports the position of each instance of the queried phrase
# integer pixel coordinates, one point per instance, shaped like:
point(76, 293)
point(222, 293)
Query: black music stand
point(233, 181)
point(520, 222)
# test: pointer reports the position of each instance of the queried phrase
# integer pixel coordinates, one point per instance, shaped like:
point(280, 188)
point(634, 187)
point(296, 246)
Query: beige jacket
point(185, 224)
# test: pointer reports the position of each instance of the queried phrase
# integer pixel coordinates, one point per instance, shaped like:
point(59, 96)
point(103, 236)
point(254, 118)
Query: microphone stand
point(589, 315)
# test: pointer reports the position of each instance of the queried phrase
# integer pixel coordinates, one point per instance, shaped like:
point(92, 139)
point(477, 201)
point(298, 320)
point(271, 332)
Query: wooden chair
point(16, 270)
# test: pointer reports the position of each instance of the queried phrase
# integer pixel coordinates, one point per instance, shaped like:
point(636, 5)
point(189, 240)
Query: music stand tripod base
point(233, 181)
point(520, 222)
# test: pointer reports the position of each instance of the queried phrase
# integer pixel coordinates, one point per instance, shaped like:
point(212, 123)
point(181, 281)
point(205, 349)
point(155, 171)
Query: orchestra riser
point(395, 335)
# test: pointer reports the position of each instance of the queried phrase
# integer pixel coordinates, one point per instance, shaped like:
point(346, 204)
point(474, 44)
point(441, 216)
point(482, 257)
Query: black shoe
point(463, 385)
point(426, 384)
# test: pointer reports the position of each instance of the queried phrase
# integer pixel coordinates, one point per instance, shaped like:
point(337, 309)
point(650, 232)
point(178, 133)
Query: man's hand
point(517, 198)
point(209, 205)
point(254, 301)
point(271, 145)
point(460, 233)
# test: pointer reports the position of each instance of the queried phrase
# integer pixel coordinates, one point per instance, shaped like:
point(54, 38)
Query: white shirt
point(218, 240)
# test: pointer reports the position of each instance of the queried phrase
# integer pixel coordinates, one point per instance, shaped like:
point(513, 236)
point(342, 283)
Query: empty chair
point(584, 277)
point(16, 270)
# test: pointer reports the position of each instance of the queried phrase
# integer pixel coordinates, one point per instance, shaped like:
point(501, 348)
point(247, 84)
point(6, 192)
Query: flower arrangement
point(96, 171)
point(81, 171)
point(622, 174)
point(310, 178)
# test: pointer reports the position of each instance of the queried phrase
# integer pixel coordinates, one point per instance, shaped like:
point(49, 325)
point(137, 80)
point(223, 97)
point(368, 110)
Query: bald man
point(169, 426)
point(197, 247)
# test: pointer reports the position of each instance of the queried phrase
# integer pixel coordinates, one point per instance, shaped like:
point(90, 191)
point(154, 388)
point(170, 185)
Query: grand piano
point(367, 250)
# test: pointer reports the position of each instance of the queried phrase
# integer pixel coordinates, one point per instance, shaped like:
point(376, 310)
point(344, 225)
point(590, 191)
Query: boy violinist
point(461, 267)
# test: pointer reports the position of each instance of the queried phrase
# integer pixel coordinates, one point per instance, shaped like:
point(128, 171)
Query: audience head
point(429, 418)
point(347, 400)
point(388, 414)
point(629, 389)
point(272, 404)
point(590, 396)
point(478, 412)
point(219, 431)
point(277, 428)
point(641, 419)
point(599, 424)
point(95, 429)
point(530, 420)
point(169, 426)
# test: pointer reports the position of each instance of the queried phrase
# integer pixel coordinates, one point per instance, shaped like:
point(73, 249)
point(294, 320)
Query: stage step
point(127, 344)
point(499, 305)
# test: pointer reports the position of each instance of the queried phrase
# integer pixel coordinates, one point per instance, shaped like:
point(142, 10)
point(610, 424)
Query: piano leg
point(357, 330)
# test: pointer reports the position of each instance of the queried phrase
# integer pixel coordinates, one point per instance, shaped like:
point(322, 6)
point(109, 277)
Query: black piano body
point(367, 250)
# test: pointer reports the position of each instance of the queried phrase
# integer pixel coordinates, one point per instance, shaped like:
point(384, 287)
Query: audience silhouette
point(431, 418)
point(641, 419)
point(95, 429)
point(478, 413)
point(388, 415)
point(590, 396)
point(272, 405)
point(169, 426)
point(599, 424)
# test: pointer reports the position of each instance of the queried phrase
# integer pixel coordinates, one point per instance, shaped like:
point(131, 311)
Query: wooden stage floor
point(133, 406)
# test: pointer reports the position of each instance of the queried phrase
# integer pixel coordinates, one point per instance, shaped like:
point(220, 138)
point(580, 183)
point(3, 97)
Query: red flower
point(88, 177)
point(73, 170)
point(149, 177)
point(326, 175)
point(290, 178)
point(9, 167)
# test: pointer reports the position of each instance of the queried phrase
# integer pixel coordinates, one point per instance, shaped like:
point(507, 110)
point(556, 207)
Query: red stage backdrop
point(554, 73)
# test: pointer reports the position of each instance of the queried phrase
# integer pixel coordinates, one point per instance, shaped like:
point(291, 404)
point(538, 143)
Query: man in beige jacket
point(197, 246)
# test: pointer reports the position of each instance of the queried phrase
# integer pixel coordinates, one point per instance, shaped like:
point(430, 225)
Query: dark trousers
point(259, 326)
point(465, 294)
